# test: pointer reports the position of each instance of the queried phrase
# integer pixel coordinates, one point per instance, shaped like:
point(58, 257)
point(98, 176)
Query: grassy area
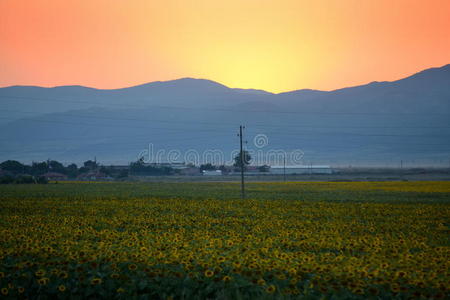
point(199, 240)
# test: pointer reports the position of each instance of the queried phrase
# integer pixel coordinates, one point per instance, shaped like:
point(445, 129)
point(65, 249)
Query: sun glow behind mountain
point(271, 45)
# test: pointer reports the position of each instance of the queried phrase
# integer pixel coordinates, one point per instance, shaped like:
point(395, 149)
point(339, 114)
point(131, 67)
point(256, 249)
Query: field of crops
point(199, 240)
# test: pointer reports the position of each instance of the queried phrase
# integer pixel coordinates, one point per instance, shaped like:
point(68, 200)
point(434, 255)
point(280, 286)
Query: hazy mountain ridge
point(379, 120)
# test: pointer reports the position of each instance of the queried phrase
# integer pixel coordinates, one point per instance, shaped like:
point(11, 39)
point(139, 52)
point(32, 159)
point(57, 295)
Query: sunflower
point(61, 288)
point(226, 278)
point(54, 271)
point(21, 290)
point(400, 274)
point(120, 290)
point(132, 267)
point(96, 281)
point(209, 273)
point(4, 291)
point(261, 281)
point(43, 281)
point(270, 289)
point(395, 288)
point(292, 271)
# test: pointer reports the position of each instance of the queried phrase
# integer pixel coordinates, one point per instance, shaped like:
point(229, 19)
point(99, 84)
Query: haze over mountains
point(379, 123)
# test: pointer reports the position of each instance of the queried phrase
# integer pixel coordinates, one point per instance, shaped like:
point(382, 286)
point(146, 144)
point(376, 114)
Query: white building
point(173, 165)
point(212, 172)
point(300, 169)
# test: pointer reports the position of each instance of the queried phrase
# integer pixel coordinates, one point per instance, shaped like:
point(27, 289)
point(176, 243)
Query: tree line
point(12, 171)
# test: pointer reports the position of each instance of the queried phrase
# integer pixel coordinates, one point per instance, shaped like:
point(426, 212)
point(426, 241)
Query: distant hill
point(377, 123)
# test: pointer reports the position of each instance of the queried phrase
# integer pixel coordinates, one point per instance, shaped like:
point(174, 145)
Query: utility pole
point(401, 169)
point(241, 162)
point(284, 167)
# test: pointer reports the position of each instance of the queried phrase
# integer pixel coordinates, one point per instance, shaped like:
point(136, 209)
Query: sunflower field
point(343, 240)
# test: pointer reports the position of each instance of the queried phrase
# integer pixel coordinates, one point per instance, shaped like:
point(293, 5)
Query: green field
point(346, 240)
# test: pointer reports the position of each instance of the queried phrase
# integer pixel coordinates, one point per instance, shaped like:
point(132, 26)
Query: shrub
point(42, 180)
point(6, 179)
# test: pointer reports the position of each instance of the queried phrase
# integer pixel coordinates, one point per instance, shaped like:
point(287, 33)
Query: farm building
point(301, 169)
point(173, 165)
point(212, 172)
point(55, 176)
point(92, 175)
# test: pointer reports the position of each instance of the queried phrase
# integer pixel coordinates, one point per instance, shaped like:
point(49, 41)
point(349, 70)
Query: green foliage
point(6, 179)
point(39, 168)
point(246, 159)
point(41, 180)
point(208, 167)
point(122, 174)
point(166, 240)
point(24, 179)
point(13, 166)
point(264, 169)
point(90, 164)
point(139, 168)
point(55, 166)
point(72, 171)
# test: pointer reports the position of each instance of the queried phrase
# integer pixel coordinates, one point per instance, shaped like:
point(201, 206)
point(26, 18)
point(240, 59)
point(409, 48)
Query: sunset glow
point(277, 45)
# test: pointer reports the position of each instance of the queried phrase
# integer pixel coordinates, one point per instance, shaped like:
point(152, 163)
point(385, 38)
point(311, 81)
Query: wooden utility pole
point(401, 169)
point(284, 167)
point(241, 162)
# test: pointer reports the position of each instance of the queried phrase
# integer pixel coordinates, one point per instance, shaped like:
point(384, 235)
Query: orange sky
point(276, 45)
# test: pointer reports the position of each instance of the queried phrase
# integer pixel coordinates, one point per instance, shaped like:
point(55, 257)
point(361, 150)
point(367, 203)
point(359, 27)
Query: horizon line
point(219, 83)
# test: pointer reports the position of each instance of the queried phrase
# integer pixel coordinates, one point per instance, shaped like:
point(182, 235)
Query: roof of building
point(92, 174)
point(301, 167)
point(54, 174)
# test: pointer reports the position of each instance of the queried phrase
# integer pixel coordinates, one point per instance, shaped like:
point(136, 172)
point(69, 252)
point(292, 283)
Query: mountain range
point(379, 123)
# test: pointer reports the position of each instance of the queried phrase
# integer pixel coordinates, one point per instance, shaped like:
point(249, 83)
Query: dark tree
point(90, 164)
point(41, 180)
point(139, 168)
point(72, 167)
point(13, 166)
point(246, 159)
point(72, 170)
point(55, 166)
point(264, 168)
point(106, 170)
point(24, 179)
point(208, 167)
point(123, 174)
point(39, 168)
point(83, 170)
